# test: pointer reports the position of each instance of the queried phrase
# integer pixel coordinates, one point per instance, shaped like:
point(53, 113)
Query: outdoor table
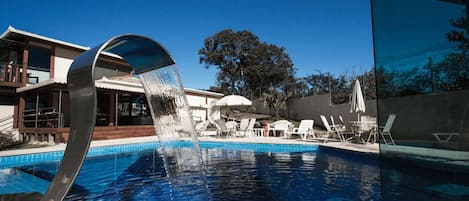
point(356, 128)
point(447, 135)
point(277, 132)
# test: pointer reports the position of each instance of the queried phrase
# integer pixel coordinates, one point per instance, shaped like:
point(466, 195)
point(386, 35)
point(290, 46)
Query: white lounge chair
point(225, 128)
point(250, 129)
point(201, 127)
point(231, 126)
point(341, 119)
point(246, 127)
point(386, 130)
point(338, 126)
point(281, 125)
point(243, 125)
point(304, 129)
point(340, 134)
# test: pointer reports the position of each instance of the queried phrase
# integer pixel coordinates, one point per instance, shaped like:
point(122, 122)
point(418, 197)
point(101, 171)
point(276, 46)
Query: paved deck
point(61, 146)
point(370, 148)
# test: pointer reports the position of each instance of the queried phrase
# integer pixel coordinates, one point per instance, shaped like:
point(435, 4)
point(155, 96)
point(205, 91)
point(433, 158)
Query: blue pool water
point(234, 171)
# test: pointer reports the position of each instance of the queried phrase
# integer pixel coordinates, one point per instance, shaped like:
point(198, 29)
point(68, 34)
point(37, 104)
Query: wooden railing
point(43, 118)
point(11, 72)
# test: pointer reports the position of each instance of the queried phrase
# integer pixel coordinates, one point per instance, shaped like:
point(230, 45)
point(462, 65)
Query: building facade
point(34, 100)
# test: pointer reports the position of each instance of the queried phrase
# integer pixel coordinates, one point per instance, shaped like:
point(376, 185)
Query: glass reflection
point(422, 71)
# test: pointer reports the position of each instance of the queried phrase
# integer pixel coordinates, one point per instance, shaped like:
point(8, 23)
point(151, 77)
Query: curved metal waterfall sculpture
point(143, 54)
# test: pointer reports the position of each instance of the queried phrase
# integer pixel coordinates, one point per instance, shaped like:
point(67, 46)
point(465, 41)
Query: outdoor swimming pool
point(235, 171)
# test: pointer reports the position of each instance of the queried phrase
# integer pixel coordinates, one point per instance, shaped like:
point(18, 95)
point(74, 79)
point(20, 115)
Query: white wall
point(63, 59)
point(210, 100)
point(197, 101)
point(6, 110)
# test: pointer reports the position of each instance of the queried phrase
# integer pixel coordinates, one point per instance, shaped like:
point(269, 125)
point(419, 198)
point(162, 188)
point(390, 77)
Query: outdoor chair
point(225, 128)
point(282, 126)
point(246, 127)
point(243, 126)
point(337, 126)
point(304, 129)
point(201, 127)
point(386, 130)
point(231, 125)
point(341, 119)
point(340, 134)
point(250, 130)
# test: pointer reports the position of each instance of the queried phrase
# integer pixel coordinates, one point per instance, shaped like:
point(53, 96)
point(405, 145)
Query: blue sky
point(328, 35)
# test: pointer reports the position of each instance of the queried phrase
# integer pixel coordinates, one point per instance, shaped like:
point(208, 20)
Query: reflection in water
point(173, 123)
point(322, 175)
point(232, 175)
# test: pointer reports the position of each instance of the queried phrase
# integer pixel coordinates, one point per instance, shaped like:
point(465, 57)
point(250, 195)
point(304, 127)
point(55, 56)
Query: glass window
point(38, 65)
point(133, 110)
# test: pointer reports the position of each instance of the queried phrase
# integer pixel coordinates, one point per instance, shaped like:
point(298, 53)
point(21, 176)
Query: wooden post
point(112, 108)
point(24, 70)
point(59, 121)
point(116, 109)
point(15, 116)
point(37, 109)
point(21, 106)
point(52, 63)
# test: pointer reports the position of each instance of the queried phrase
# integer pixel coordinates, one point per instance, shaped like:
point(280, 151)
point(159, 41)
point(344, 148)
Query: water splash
point(178, 140)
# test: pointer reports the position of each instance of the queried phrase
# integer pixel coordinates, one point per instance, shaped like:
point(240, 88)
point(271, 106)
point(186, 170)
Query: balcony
point(11, 75)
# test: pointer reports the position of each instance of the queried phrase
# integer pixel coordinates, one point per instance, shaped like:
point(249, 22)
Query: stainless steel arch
point(143, 54)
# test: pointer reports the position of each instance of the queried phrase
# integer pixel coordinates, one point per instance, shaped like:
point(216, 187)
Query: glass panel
point(102, 107)
point(38, 65)
point(133, 110)
point(422, 77)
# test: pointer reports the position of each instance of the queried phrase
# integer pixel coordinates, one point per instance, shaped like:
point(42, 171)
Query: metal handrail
point(46, 114)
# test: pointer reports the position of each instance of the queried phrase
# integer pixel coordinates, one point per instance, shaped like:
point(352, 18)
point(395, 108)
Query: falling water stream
point(170, 112)
point(178, 140)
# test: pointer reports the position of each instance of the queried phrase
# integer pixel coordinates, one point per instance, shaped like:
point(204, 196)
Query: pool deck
point(369, 148)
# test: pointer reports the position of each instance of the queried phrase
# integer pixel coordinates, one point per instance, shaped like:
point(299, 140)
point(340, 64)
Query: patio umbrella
point(357, 102)
point(233, 100)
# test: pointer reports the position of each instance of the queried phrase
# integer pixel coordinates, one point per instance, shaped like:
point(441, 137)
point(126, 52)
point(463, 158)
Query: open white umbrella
point(357, 102)
point(233, 100)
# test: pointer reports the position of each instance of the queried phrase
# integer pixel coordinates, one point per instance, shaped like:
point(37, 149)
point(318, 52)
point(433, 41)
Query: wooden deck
point(100, 133)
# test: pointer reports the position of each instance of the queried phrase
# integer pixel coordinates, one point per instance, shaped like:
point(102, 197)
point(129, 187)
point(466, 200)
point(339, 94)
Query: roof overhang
point(105, 83)
point(11, 30)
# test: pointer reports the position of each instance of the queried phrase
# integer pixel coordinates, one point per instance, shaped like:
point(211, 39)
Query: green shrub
point(5, 138)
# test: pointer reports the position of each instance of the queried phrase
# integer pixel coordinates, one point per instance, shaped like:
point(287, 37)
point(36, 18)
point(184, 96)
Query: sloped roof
point(11, 30)
point(121, 83)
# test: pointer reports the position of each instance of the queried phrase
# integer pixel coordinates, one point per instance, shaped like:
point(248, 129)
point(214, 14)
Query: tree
point(246, 65)
point(341, 89)
point(276, 101)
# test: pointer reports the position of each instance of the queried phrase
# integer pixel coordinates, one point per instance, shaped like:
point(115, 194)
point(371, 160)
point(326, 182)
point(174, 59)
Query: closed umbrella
point(357, 102)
